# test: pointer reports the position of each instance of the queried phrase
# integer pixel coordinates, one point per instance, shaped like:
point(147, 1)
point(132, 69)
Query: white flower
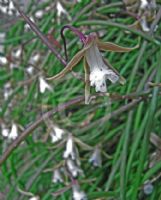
point(99, 71)
point(44, 85)
point(3, 60)
point(70, 148)
point(148, 188)
point(2, 38)
point(26, 26)
point(7, 90)
point(34, 198)
point(60, 9)
point(5, 131)
point(148, 13)
point(34, 59)
point(30, 69)
point(96, 159)
point(14, 132)
point(57, 177)
point(78, 194)
point(56, 134)
point(39, 14)
point(16, 53)
point(144, 24)
point(144, 4)
point(73, 168)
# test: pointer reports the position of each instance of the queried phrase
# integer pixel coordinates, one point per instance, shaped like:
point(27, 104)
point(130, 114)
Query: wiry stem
point(36, 30)
point(76, 31)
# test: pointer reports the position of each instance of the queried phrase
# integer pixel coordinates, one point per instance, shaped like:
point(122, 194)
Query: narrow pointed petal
point(108, 46)
point(87, 82)
point(122, 80)
point(74, 61)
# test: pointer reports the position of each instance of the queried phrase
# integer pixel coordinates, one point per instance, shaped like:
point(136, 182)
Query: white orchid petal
point(78, 194)
point(56, 134)
point(99, 71)
point(5, 132)
point(70, 149)
point(34, 198)
point(14, 132)
point(57, 177)
point(44, 85)
point(96, 158)
point(73, 168)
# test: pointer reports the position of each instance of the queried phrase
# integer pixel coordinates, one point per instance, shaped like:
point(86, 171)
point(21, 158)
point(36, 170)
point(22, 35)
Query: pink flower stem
point(76, 31)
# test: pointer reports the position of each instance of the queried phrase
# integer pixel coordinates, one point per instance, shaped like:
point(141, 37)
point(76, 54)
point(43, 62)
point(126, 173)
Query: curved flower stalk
point(97, 70)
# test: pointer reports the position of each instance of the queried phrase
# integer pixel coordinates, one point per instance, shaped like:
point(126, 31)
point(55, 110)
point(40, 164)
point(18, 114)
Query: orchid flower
point(73, 168)
point(56, 133)
point(14, 132)
point(70, 149)
point(34, 198)
point(144, 11)
point(78, 194)
point(147, 11)
point(57, 177)
point(148, 187)
point(97, 70)
point(96, 158)
point(5, 130)
point(60, 11)
point(43, 85)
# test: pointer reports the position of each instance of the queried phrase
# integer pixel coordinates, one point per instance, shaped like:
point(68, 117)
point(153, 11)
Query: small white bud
point(56, 134)
point(7, 91)
point(3, 60)
point(14, 132)
point(16, 53)
point(78, 194)
point(144, 4)
point(5, 131)
point(34, 198)
point(57, 177)
point(60, 9)
point(95, 158)
point(70, 148)
point(73, 168)
point(148, 188)
point(30, 69)
point(43, 85)
point(39, 14)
